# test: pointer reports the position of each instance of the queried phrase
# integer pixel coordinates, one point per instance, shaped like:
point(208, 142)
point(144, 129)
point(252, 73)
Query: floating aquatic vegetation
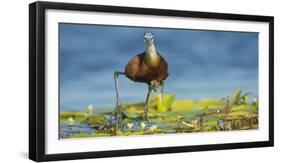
point(142, 126)
point(235, 112)
point(130, 125)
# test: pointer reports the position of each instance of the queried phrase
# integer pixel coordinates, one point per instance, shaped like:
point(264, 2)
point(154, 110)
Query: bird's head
point(148, 38)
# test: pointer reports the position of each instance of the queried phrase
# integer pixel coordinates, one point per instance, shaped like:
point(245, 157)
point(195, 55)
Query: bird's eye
point(148, 35)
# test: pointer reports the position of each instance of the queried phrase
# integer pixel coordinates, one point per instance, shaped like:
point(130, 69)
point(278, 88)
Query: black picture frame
point(37, 82)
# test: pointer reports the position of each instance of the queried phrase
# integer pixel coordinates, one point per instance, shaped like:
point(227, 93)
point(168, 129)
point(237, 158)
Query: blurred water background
point(202, 64)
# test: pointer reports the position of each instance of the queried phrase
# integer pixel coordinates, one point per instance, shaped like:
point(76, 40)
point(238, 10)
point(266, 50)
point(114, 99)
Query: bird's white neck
point(151, 58)
point(151, 51)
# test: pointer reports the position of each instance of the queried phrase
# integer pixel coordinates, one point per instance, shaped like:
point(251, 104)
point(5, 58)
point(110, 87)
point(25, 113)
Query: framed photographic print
point(111, 81)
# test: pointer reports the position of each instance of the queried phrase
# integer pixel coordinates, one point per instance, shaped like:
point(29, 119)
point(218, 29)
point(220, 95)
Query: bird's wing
point(133, 66)
point(163, 69)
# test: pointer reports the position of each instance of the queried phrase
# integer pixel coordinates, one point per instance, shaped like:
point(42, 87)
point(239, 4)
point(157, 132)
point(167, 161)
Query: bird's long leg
point(117, 108)
point(145, 105)
point(116, 111)
point(162, 92)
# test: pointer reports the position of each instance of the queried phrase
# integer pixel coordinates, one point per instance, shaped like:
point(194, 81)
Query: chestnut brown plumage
point(137, 70)
point(147, 67)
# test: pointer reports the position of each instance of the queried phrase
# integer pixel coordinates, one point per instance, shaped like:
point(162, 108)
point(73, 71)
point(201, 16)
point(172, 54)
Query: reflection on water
point(67, 131)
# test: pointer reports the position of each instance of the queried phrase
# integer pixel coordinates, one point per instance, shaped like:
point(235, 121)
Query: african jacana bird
point(147, 67)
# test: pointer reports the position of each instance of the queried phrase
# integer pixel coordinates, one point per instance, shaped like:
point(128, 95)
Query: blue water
point(202, 64)
point(67, 131)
